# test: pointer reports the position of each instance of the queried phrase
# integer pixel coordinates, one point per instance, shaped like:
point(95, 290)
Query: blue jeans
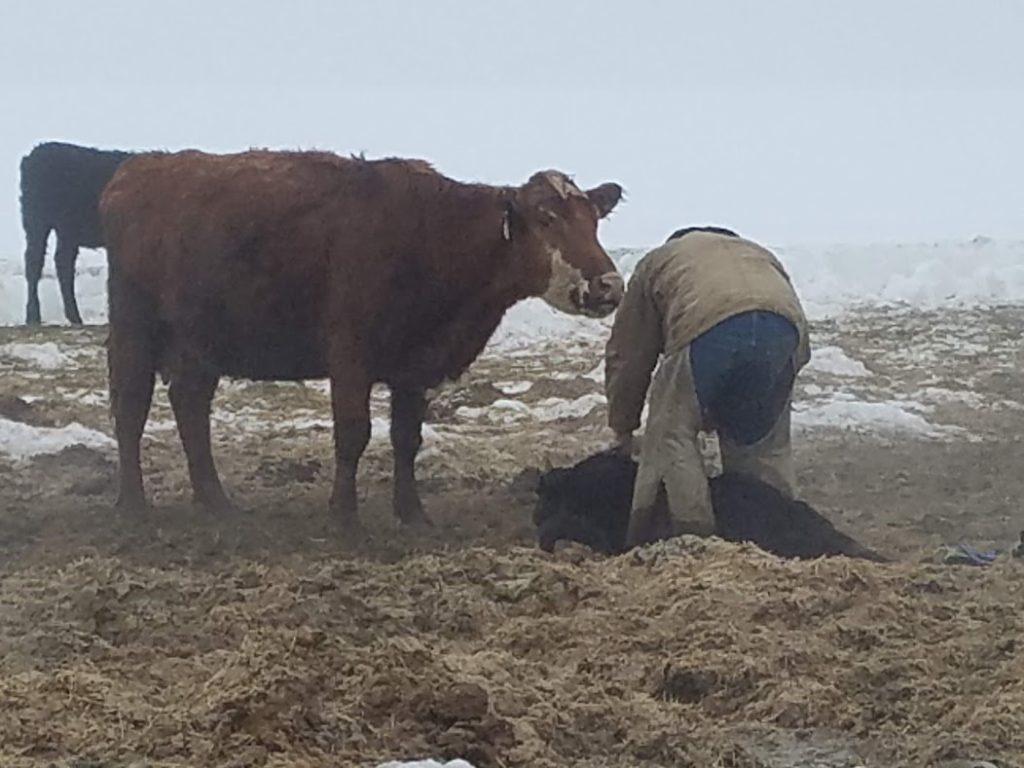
point(743, 372)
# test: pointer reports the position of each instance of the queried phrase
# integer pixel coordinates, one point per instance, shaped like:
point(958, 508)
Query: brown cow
point(299, 265)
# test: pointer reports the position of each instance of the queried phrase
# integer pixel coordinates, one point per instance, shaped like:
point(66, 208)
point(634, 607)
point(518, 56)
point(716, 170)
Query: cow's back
point(61, 185)
point(260, 248)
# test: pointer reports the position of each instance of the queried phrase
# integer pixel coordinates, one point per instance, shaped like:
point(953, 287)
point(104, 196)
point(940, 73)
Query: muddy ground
point(273, 637)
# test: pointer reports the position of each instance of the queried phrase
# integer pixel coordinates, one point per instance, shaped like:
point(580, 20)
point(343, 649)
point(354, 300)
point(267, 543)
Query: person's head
point(709, 228)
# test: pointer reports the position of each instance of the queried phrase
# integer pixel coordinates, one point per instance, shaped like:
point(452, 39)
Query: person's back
point(702, 278)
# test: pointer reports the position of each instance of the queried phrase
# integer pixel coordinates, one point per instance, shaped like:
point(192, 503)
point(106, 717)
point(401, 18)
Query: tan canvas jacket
point(676, 293)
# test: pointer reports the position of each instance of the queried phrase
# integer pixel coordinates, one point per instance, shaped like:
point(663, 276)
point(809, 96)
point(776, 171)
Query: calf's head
point(556, 223)
point(587, 503)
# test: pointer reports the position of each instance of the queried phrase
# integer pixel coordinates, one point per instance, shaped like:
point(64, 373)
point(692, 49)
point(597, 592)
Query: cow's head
point(556, 221)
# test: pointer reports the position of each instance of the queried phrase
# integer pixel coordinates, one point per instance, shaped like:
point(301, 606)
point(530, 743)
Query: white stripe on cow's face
point(567, 290)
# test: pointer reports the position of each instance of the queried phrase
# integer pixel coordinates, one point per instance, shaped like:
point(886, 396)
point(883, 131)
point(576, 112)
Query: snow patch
point(514, 387)
point(427, 764)
point(380, 430)
point(502, 411)
point(23, 441)
point(47, 355)
point(597, 374)
point(555, 408)
point(834, 361)
point(943, 395)
point(843, 411)
point(550, 409)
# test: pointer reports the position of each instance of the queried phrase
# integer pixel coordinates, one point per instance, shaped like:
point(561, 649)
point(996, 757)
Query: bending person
point(721, 314)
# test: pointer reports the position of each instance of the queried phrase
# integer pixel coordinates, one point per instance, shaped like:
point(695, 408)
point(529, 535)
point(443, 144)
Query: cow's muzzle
point(602, 295)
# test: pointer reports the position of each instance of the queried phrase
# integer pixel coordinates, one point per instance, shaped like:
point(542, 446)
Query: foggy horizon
point(793, 123)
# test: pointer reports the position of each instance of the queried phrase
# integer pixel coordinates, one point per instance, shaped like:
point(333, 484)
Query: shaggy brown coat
point(299, 265)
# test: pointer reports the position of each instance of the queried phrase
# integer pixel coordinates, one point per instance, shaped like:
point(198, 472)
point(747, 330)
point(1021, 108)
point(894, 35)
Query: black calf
point(590, 503)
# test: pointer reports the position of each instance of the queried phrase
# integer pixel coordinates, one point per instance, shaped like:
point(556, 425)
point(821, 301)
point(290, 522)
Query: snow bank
point(830, 278)
point(23, 441)
point(979, 272)
point(532, 321)
point(427, 764)
point(90, 289)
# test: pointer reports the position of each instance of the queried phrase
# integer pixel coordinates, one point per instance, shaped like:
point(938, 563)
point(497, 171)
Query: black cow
point(60, 191)
point(590, 503)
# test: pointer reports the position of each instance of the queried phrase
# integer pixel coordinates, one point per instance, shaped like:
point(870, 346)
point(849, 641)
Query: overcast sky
point(793, 121)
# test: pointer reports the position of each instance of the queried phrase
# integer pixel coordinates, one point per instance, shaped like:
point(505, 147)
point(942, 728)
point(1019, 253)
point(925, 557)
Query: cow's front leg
point(350, 402)
point(408, 407)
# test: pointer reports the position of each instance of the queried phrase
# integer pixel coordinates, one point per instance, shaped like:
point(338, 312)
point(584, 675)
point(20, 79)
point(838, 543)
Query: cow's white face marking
point(567, 290)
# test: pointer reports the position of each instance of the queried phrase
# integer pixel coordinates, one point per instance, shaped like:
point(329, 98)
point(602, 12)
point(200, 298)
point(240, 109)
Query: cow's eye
point(547, 216)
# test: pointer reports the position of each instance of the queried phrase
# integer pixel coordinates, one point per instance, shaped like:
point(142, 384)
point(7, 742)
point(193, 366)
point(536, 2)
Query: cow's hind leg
point(131, 364)
point(35, 255)
point(408, 408)
point(65, 258)
point(350, 403)
point(191, 395)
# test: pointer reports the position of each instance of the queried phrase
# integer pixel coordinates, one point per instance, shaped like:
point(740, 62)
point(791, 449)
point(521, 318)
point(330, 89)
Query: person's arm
point(630, 356)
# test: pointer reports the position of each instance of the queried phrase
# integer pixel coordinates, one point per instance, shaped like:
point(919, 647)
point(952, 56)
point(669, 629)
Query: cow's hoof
point(131, 503)
point(346, 511)
point(348, 526)
point(411, 513)
point(218, 504)
point(422, 521)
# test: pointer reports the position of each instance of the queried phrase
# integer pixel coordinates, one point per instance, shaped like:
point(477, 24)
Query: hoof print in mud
point(86, 471)
point(18, 409)
point(277, 473)
point(685, 685)
point(452, 721)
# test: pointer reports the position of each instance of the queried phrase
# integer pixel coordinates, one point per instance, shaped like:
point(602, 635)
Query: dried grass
point(517, 659)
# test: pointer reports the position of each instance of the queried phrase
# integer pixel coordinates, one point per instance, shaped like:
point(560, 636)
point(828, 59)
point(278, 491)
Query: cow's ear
point(605, 197)
point(513, 223)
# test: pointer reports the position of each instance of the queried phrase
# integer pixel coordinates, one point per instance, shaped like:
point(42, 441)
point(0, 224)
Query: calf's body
point(590, 503)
